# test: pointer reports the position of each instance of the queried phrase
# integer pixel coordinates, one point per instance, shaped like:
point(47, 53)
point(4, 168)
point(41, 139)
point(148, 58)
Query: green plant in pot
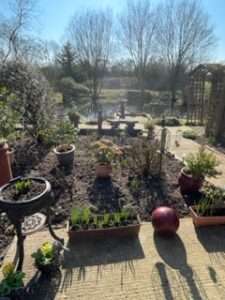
point(64, 136)
point(197, 166)
point(106, 152)
point(47, 258)
point(210, 209)
point(12, 285)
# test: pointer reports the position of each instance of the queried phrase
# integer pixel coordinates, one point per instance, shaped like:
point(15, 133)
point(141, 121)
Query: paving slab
point(190, 265)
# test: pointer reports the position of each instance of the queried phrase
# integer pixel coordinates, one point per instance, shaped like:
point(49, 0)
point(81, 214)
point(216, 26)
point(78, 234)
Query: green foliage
point(71, 90)
point(201, 164)
point(143, 158)
point(45, 255)
point(30, 96)
point(62, 133)
point(135, 185)
point(213, 197)
point(80, 216)
point(189, 134)
point(11, 280)
point(23, 186)
point(83, 218)
point(106, 151)
point(8, 116)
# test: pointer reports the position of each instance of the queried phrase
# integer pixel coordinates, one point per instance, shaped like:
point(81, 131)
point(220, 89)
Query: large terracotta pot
point(11, 155)
point(188, 184)
point(5, 167)
point(103, 171)
point(205, 220)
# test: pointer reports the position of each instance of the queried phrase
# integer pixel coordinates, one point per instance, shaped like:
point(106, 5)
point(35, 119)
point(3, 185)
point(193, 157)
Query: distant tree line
point(158, 43)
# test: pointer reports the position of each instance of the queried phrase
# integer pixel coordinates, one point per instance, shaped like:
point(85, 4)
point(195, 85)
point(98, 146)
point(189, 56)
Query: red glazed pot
point(188, 184)
point(165, 220)
point(103, 171)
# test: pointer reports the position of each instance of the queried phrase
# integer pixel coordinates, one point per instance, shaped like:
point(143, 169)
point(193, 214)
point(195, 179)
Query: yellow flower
point(47, 248)
point(7, 269)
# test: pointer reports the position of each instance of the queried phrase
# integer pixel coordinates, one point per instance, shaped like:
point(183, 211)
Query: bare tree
point(137, 33)
point(12, 29)
point(91, 35)
point(184, 37)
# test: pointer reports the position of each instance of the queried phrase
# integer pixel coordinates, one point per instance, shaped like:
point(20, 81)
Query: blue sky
point(55, 15)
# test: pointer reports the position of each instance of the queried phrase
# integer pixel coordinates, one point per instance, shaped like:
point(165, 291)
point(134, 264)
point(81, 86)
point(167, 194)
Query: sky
point(54, 16)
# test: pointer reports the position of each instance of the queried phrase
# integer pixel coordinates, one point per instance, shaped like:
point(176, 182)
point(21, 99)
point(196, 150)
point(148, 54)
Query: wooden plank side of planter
point(124, 231)
point(205, 221)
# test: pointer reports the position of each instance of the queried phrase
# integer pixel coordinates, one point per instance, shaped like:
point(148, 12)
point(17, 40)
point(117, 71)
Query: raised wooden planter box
point(123, 231)
point(205, 221)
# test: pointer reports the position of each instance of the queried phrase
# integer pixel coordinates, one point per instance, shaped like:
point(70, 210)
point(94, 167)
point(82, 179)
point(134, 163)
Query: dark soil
point(11, 193)
point(78, 186)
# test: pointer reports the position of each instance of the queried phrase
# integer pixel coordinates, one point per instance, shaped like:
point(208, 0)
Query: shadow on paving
point(44, 287)
point(173, 253)
point(110, 252)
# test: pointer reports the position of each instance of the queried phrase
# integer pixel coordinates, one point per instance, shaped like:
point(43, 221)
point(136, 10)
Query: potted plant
point(12, 285)
point(150, 126)
point(65, 135)
point(84, 224)
point(106, 152)
point(210, 210)
point(25, 196)
point(74, 117)
point(47, 258)
point(197, 167)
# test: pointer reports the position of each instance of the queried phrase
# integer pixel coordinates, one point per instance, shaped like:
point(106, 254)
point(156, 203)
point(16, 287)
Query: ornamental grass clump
point(212, 198)
point(201, 164)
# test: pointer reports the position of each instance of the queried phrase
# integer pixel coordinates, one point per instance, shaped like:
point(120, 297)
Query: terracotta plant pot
point(65, 158)
point(101, 233)
point(5, 167)
point(189, 184)
point(11, 155)
point(205, 220)
point(103, 171)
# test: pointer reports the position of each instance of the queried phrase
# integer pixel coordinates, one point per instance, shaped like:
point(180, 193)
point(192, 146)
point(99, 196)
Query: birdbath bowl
point(18, 210)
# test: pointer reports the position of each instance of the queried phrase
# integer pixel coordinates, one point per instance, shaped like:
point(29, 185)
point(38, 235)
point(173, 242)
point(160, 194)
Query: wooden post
point(100, 120)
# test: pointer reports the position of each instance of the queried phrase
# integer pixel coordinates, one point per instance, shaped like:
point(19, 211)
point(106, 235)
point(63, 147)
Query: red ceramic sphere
point(165, 220)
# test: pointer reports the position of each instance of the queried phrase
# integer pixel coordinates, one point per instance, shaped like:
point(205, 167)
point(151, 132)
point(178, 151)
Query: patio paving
point(189, 266)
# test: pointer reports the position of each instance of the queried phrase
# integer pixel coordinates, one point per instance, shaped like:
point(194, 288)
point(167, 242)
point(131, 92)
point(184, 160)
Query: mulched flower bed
point(79, 187)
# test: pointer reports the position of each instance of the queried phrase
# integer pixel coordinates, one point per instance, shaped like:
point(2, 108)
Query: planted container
point(188, 183)
point(90, 226)
point(65, 154)
point(103, 170)
point(217, 219)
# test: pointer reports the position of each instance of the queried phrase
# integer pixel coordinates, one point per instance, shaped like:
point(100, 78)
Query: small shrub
point(62, 133)
point(143, 158)
point(11, 281)
point(45, 255)
point(189, 134)
point(201, 164)
point(106, 151)
point(30, 92)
